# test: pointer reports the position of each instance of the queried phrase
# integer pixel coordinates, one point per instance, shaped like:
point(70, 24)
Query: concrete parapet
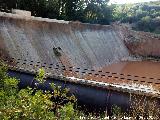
point(21, 12)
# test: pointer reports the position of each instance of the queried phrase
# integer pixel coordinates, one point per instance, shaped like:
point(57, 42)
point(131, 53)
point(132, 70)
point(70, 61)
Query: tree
point(97, 11)
point(93, 11)
point(7, 5)
point(143, 16)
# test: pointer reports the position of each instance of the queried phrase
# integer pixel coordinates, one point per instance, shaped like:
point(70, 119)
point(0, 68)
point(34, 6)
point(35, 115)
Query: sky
point(128, 1)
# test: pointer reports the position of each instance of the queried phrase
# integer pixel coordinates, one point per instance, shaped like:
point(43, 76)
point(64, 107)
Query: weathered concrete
point(81, 45)
point(78, 48)
point(21, 12)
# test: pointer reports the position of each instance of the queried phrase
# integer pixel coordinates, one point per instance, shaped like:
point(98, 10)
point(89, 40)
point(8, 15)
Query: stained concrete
point(81, 45)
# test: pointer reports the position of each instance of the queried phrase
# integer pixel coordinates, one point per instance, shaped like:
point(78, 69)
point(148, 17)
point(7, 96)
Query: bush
point(32, 104)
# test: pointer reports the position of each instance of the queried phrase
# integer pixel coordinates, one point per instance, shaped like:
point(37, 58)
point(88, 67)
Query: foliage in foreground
point(32, 104)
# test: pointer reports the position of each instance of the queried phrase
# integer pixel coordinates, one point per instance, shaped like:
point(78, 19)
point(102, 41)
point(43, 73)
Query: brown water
point(138, 72)
point(139, 68)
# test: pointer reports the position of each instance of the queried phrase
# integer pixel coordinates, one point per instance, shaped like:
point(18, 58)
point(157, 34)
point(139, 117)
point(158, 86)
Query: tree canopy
point(143, 16)
point(92, 11)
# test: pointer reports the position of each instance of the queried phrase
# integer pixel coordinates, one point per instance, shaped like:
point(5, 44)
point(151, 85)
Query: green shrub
point(41, 75)
point(22, 104)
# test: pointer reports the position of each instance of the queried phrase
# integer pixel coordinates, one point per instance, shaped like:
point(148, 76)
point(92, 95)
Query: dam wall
point(70, 43)
point(60, 42)
point(89, 55)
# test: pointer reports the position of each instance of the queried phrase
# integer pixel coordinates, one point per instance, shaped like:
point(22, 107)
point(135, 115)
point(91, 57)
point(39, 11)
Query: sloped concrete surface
point(82, 45)
point(77, 50)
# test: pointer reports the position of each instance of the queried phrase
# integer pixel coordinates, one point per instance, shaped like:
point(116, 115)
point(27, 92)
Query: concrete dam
point(80, 45)
point(103, 56)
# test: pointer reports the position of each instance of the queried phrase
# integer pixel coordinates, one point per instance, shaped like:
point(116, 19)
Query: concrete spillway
point(80, 45)
point(80, 52)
